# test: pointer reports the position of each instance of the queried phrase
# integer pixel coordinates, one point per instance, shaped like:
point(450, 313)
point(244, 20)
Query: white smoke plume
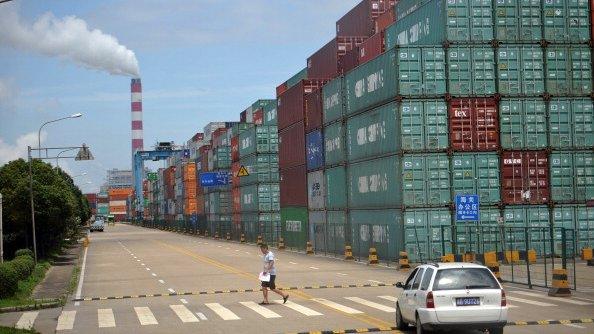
point(67, 38)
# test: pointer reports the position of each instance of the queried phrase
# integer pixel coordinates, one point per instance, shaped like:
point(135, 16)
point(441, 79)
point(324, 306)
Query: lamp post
point(1, 235)
point(77, 115)
point(58, 156)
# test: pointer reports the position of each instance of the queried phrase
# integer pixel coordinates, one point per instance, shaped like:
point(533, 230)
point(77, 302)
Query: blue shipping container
point(315, 150)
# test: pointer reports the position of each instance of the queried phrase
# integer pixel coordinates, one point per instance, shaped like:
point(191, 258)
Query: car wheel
point(399, 321)
point(496, 331)
point(418, 325)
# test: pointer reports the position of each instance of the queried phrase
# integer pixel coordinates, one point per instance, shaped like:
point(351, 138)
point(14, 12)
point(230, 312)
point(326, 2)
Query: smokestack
point(137, 137)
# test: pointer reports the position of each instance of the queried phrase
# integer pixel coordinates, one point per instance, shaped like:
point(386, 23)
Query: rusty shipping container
point(291, 150)
point(350, 60)
point(474, 124)
point(327, 61)
point(385, 20)
point(360, 21)
point(371, 48)
point(291, 103)
point(525, 177)
point(235, 148)
point(313, 110)
point(293, 186)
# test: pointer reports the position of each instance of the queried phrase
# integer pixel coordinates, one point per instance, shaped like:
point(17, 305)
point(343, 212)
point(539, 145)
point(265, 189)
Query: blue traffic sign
point(214, 179)
point(467, 207)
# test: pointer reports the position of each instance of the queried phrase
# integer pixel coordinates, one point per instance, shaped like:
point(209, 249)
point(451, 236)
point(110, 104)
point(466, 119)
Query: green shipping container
point(218, 202)
point(565, 216)
point(332, 93)
point(572, 176)
point(566, 21)
point(482, 236)
point(380, 229)
point(337, 232)
point(425, 180)
point(421, 71)
point(520, 70)
point(262, 103)
point(371, 83)
point(267, 225)
point(518, 218)
point(317, 230)
point(476, 173)
point(518, 21)
point(270, 114)
point(373, 133)
point(439, 21)
point(222, 157)
point(569, 70)
point(258, 139)
point(238, 128)
point(374, 184)
point(262, 168)
point(295, 79)
point(336, 182)
point(523, 124)
point(263, 197)
point(334, 144)
point(571, 123)
point(423, 231)
point(471, 71)
point(424, 125)
point(294, 226)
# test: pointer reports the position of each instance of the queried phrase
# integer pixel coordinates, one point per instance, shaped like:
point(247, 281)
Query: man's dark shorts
point(270, 284)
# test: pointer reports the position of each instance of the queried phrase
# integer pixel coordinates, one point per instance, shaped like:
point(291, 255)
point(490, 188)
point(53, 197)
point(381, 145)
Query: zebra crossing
point(187, 312)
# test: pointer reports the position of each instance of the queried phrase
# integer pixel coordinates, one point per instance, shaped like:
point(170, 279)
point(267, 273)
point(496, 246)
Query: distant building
point(117, 178)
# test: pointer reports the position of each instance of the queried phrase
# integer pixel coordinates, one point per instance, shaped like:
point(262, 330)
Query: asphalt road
point(130, 261)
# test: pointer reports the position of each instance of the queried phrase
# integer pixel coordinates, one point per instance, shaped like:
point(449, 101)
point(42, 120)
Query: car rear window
point(464, 278)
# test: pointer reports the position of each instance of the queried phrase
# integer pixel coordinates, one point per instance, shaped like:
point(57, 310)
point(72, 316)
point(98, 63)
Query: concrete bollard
point(309, 248)
point(403, 261)
point(447, 258)
point(586, 254)
point(281, 243)
point(206, 233)
point(216, 236)
point(259, 240)
point(242, 238)
point(228, 236)
point(348, 253)
point(373, 256)
point(494, 267)
point(560, 286)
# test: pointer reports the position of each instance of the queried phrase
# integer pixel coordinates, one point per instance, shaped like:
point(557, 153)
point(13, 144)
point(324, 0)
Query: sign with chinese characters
point(467, 207)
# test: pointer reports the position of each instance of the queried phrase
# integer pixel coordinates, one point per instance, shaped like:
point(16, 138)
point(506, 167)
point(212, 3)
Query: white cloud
point(8, 91)
point(9, 152)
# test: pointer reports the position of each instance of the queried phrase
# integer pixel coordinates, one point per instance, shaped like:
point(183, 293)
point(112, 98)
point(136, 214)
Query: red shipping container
point(327, 61)
point(385, 20)
point(525, 177)
point(293, 186)
point(474, 124)
point(236, 219)
point(291, 148)
point(371, 48)
point(235, 148)
point(291, 104)
point(197, 137)
point(234, 171)
point(313, 110)
point(236, 195)
point(360, 21)
point(259, 116)
point(243, 116)
point(281, 88)
point(350, 60)
point(200, 205)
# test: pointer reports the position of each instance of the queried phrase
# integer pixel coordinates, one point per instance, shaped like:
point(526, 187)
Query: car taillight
point(429, 302)
point(503, 299)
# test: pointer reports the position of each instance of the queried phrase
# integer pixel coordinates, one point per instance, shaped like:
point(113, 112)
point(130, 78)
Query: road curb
point(40, 306)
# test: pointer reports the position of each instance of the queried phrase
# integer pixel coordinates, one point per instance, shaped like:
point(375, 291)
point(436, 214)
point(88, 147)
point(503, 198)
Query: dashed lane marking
point(528, 301)
point(105, 318)
point(183, 301)
point(171, 290)
point(292, 262)
point(341, 274)
point(26, 320)
point(154, 275)
point(374, 281)
point(183, 313)
point(561, 300)
point(161, 281)
point(314, 268)
point(145, 316)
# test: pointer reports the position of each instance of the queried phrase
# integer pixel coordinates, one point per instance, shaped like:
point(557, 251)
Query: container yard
point(411, 105)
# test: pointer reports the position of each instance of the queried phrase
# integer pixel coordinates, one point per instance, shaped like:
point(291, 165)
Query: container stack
point(217, 200)
point(92, 200)
point(256, 174)
point(169, 195)
point(102, 204)
point(118, 202)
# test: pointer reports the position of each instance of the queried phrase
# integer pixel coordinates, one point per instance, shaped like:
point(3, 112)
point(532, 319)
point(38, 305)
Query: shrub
point(23, 252)
point(9, 280)
point(23, 265)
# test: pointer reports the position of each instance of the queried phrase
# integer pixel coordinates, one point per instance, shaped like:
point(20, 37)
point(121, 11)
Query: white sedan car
point(451, 296)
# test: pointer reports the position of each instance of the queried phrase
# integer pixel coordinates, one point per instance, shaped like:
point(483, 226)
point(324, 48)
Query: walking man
point(270, 270)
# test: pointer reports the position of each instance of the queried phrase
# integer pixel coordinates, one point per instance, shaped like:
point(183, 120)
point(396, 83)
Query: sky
point(199, 61)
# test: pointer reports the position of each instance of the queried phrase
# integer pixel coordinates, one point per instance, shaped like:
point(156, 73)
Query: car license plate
point(471, 301)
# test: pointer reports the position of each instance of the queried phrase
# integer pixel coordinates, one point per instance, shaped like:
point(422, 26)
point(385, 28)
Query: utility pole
point(1, 235)
point(32, 204)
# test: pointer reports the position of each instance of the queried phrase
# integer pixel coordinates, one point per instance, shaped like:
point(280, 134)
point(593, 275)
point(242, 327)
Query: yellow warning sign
point(242, 172)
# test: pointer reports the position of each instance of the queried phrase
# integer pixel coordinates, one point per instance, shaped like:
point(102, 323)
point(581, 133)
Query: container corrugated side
point(261, 197)
point(258, 139)
point(482, 236)
point(518, 21)
point(336, 231)
point(374, 184)
point(313, 110)
point(580, 218)
point(316, 190)
point(523, 123)
point(317, 230)
point(336, 182)
point(292, 146)
point(294, 222)
point(270, 117)
point(373, 133)
point(423, 233)
point(425, 180)
point(261, 168)
point(571, 123)
point(525, 177)
point(568, 70)
point(359, 21)
point(474, 124)
point(471, 71)
point(520, 70)
point(572, 176)
point(566, 21)
point(476, 173)
point(424, 125)
point(334, 144)
point(314, 150)
point(332, 95)
point(522, 216)
point(293, 185)
point(380, 229)
point(421, 71)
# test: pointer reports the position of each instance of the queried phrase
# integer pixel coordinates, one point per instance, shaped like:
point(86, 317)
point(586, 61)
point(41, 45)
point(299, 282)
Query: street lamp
point(58, 156)
point(77, 115)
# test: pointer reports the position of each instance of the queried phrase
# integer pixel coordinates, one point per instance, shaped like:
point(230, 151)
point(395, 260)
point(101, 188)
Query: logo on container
point(332, 144)
point(373, 183)
point(371, 133)
point(293, 226)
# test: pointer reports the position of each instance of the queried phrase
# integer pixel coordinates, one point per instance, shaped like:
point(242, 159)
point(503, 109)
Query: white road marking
point(261, 310)
point(161, 281)
point(135, 257)
point(148, 269)
point(561, 300)
point(138, 260)
point(206, 243)
point(26, 320)
point(154, 275)
point(222, 311)
point(371, 304)
point(66, 320)
point(337, 306)
point(582, 298)
point(374, 281)
point(315, 268)
point(183, 301)
point(171, 290)
point(299, 308)
point(248, 253)
point(201, 316)
point(145, 316)
point(105, 318)
point(82, 277)
point(292, 262)
point(220, 246)
point(184, 314)
point(142, 264)
point(527, 301)
point(390, 298)
point(341, 274)
point(575, 326)
point(237, 250)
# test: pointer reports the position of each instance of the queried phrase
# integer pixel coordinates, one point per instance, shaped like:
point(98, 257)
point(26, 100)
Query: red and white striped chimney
point(137, 137)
